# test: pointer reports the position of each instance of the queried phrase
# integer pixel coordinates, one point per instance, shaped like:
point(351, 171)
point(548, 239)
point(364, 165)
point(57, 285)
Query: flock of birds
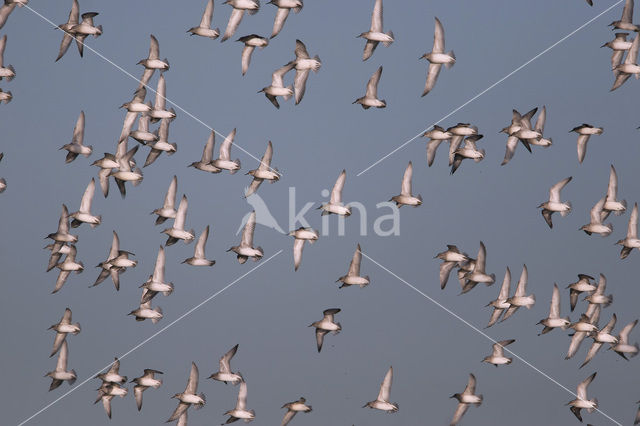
point(462, 137)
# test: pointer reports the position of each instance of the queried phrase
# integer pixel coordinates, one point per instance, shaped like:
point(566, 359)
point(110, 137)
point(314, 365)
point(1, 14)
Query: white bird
point(190, 395)
point(168, 211)
point(595, 226)
point(468, 150)
point(106, 392)
point(437, 57)
point(335, 204)
point(284, 6)
point(7, 72)
point(436, 136)
point(156, 282)
point(301, 235)
point(246, 250)
point(626, 21)
point(555, 204)
point(497, 353)
point(263, 172)
point(277, 87)
point(224, 161)
point(370, 99)
point(62, 234)
point(240, 411)
point(142, 133)
point(618, 45)
point(207, 156)
point(600, 338)
point(76, 146)
point(162, 144)
point(554, 320)
point(303, 64)
point(375, 34)
point(85, 28)
point(582, 285)
point(177, 231)
point(450, 258)
point(299, 406)
point(83, 215)
point(68, 265)
point(113, 374)
point(353, 276)
point(611, 203)
point(629, 66)
point(251, 41)
point(382, 401)
point(583, 401)
point(326, 325)
point(406, 197)
point(478, 273)
point(466, 398)
point(159, 110)
point(598, 297)
point(145, 311)
point(239, 6)
point(117, 262)
point(587, 324)
point(199, 258)
point(224, 373)
point(67, 28)
point(144, 382)
point(501, 303)
point(631, 241)
point(204, 29)
point(127, 171)
point(519, 128)
point(584, 132)
point(152, 62)
point(459, 132)
point(60, 374)
point(136, 106)
point(62, 328)
point(623, 347)
point(520, 297)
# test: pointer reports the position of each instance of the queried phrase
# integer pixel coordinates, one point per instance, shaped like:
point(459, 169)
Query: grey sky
point(268, 312)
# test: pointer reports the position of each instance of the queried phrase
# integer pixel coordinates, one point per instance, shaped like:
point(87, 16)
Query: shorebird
point(469, 150)
point(598, 297)
point(85, 28)
point(62, 234)
point(68, 265)
point(76, 147)
point(57, 250)
point(144, 382)
point(520, 297)
point(623, 347)
point(177, 231)
point(626, 21)
point(67, 28)
point(152, 63)
point(263, 172)
point(466, 398)
point(382, 401)
point(62, 328)
point(284, 6)
point(459, 132)
point(190, 396)
point(240, 412)
point(168, 211)
point(450, 258)
point(539, 128)
point(497, 353)
point(251, 41)
point(106, 392)
point(375, 34)
point(145, 311)
point(7, 72)
point(478, 273)
point(246, 250)
point(199, 258)
point(326, 325)
point(301, 235)
point(162, 144)
point(600, 338)
point(618, 45)
point(519, 128)
point(595, 226)
point(60, 374)
point(555, 204)
point(353, 276)
point(113, 374)
point(335, 204)
point(436, 136)
point(406, 198)
point(303, 64)
point(159, 110)
point(127, 170)
point(224, 161)
point(156, 282)
point(501, 303)
point(299, 406)
point(611, 204)
point(277, 87)
point(585, 325)
point(629, 66)
point(370, 99)
point(134, 107)
point(437, 57)
point(207, 156)
point(582, 285)
point(631, 241)
point(554, 320)
point(584, 132)
point(117, 262)
point(83, 215)
point(142, 133)
point(582, 401)
point(239, 6)
point(224, 373)
point(204, 29)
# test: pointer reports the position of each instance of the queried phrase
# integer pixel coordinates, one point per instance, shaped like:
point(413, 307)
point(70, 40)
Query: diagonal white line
point(148, 339)
point(482, 333)
point(127, 73)
point(492, 86)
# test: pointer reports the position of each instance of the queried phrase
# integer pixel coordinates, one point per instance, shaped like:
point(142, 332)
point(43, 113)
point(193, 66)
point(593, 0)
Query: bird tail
point(99, 27)
point(388, 43)
point(12, 70)
point(72, 381)
point(286, 97)
point(450, 64)
point(595, 405)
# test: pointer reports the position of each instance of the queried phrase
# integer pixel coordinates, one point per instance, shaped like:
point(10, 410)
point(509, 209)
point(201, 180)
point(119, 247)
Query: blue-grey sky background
point(267, 312)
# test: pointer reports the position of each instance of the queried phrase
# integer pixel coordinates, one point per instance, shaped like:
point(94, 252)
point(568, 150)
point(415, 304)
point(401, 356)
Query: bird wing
point(158, 270)
point(137, 393)
point(372, 85)
point(506, 284)
point(225, 146)
point(161, 91)
point(170, 198)
point(234, 21)
point(542, 118)
point(460, 410)
point(298, 245)
point(265, 163)
point(512, 143)
point(369, 47)
point(612, 188)
point(609, 327)
point(63, 223)
point(320, 337)
point(202, 241)
point(632, 228)
point(247, 232)
point(62, 278)
point(241, 404)
point(181, 214)
point(61, 365)
point(78, 130)
point(624, 333)
point(225, 361)
point(154, 48)
point(471, 385)
point(438, 38)
point(554, 192)
point(432, 147)
point(278, 22)
point(582, 147)
point(246, 57)
point(278, 75)
point(385, 387)
point(301, 50)
point(179, 411)
point(336, 192)
point(207, 152)
point(582, 387)
point(300, 84)
point(554, 309)
point(627, 12)
point(5, 11)
point(354, 266)
point(192, 384)
point(432, 76)
point(576, 340)
point(64, 44)
point(376, 17)
point(87, 197)
point(287, 417)
point(521, 289)
point(482, 258)
point(406, 180)
point(207, 15)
